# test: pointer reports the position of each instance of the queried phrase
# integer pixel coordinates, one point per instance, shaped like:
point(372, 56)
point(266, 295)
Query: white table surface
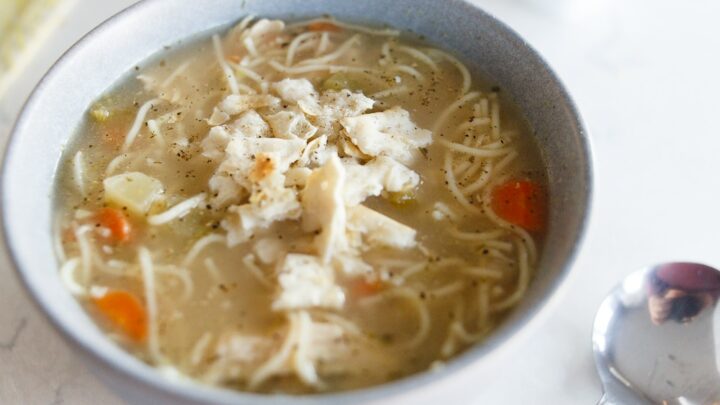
point(645, 76)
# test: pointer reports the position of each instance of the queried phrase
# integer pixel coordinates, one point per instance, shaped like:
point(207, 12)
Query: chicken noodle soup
point(300, 207)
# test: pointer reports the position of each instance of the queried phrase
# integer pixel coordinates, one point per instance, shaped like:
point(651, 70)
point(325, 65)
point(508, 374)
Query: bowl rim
point(190, 390)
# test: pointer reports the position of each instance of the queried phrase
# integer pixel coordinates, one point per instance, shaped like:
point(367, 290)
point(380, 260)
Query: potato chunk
point(134, 190)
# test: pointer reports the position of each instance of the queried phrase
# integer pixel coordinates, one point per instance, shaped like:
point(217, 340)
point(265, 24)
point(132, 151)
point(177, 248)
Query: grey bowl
point(54, 111)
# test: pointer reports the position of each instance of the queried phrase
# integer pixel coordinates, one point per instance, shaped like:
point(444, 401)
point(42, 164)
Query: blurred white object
point(24, 25)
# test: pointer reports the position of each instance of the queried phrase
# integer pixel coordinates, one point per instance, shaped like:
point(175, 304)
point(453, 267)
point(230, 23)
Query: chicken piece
point(269, 202)
point(235, 104)
point(324, 208)
point(334, 105)
point(306, 282)
point(249, 125)
point(294, 90)
point(297, 176)
point(317, 152)
point(291, 125)
point(371, 228)
point(387, 133)
point(370, 179)
point(269, 250)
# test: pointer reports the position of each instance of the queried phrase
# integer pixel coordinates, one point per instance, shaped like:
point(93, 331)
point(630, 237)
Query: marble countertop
point(645, 77)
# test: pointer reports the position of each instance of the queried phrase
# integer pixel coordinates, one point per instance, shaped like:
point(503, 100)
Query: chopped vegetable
point(401, 198)
point(364, 288)
point(134, 191)
point(319, 26)
point(100, 114)
point(520, 202)
point(340, 81)
point(125, 311)
point(114, 220)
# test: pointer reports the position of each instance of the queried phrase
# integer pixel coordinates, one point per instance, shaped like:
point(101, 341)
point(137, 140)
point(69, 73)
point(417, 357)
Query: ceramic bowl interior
point(54, 111)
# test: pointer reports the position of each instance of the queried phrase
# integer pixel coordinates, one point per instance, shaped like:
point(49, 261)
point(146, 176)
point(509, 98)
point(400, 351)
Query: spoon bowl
point(655, 337)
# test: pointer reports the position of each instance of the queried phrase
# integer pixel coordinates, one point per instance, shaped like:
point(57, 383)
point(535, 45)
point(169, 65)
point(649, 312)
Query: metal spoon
point(656, 337)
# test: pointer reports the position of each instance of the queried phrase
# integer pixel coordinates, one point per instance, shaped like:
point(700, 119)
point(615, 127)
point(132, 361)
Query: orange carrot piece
point(125, 311)
point(114, 220)
point(364, 288)
point(520, 202)
point(323, 26)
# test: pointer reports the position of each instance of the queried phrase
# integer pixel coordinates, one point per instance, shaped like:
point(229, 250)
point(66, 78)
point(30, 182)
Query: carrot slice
point(125, 311)
point(520, 202)
point(364, 288)
point(114, 220)
point(323, 26)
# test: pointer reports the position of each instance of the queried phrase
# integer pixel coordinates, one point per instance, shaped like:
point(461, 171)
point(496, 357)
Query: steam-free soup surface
point(301, 207)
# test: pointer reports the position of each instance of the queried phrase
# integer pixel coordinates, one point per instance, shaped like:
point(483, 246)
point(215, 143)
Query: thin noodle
point(523, 234)
point(245, 22)
point(499, 245)
point(477, 237)
point(339, 52)
point(276, 362)
point(249, 262)
point(453, 187)
point(155, 131)
point(174, 75)
point(408, 70)
point(323, 45)
point(385, 52)
point(484, 108)
point(522, 283)
point(495, 116)
point(409, 272)
point(303, 365)
point(451, 109)
point(139, 119)
point(393, 91)
point(494, 253)
point(199, 245)
point(67, 274)
point(479, 152)
point(294, 45)
point(78, 172)
point(417, 54)
point(213, 269)
point(198, 351)
point(227, 72)
point(250, 46)
point(177, 211)
point(57, 239)
point(148, 275)
point(483, 273)
point(347, 325)
point(450, 289)
point(251, 74)
point(347, 26)
point(85, 252)
point(467, 81)
point(480, 182)
point(413, 298)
